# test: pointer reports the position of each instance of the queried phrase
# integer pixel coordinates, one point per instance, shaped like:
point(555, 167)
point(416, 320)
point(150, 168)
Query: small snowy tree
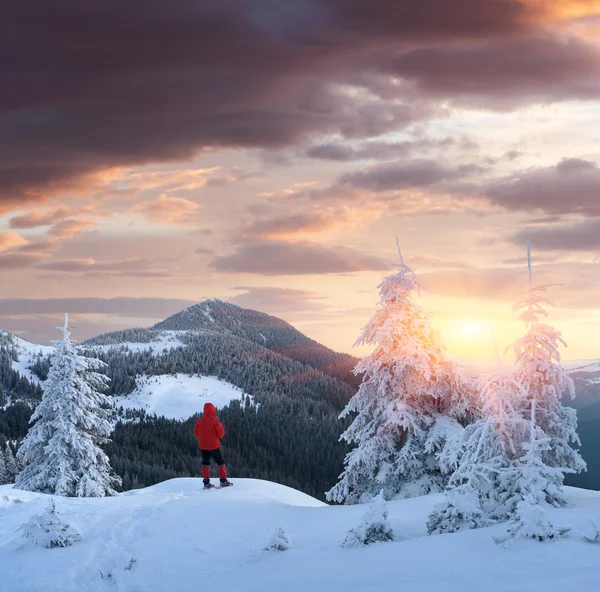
point(461, 509)
point(49, 531)
point(373, 528)
point(62, 449)
point(409, 401)
point(279, 541)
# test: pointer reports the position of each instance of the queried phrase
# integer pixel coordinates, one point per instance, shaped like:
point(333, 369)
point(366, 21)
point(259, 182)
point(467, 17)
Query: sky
point(156, 154)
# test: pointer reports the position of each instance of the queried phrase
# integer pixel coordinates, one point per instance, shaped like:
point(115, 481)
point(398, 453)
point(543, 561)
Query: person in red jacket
point(209, 430)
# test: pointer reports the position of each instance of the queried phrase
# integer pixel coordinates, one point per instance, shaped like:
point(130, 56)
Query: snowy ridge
point(162, 340)
point(178, 396)
point(27, 353)
point(175, 536)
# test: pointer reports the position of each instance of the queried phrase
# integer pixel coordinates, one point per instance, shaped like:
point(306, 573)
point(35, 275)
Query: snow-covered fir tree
point(10, 463)
point(477, 457)
point(62, 449)
point(539, 371)
point(4, 477)
point(535, 479)
point(410, 401)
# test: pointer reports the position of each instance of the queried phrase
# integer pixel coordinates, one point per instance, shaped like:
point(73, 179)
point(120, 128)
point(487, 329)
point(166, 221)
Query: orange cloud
point(566, 9)
point(35, 219)
point(10, 240)
point(169, 210)
point(304, 224)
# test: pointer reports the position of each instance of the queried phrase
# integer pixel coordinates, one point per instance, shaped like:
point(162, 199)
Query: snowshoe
point(226, 483)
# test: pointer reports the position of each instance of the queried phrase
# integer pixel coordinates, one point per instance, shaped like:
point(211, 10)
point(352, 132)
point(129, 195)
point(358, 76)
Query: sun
point(470, 330)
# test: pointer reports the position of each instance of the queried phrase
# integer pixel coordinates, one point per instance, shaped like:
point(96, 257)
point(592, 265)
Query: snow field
point(178, 396)
point(176, 536)
point(166, 340)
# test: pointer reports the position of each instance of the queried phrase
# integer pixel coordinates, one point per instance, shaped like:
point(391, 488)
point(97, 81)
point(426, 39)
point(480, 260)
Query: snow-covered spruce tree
point(10, 464)
point(480, 453)
point(539, 371)
point(535, 480)
point(4, 478)
point(410, 401)
point(373, 528)
point(62, 449)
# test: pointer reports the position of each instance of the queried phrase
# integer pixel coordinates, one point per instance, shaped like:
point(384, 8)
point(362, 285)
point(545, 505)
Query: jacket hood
point(209, 410)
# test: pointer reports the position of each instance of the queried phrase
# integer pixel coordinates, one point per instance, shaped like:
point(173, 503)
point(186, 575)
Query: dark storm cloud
point(287, 258)
point(570, 187)
point(505, 73)
point(91, 85)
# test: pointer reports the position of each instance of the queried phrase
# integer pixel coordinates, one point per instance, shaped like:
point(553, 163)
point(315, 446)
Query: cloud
point(300, 258)
point(570, 187)
point(10, 240)
point(400, 175)
point(169, 210)
point(579, 236)
point(135, 267)
point(505, 73)
point(36, 219)
point(18, 260)
point(198, 76)
point(69, 228)
point(277, 300)
point(305, 223)
point(128, 307)
point(374, 150)
point(578, 288)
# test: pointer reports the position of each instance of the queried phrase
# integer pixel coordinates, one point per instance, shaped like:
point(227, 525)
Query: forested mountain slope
point(288, 433)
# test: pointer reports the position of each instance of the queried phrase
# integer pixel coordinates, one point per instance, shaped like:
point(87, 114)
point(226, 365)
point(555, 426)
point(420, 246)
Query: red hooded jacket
point(209, 429)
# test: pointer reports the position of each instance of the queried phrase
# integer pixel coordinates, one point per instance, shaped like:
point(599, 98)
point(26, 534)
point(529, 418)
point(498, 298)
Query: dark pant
point(218, 456)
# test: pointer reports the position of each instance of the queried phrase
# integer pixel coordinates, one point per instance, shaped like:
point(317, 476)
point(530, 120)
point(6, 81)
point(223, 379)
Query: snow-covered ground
point(582, 365)
point(164, 340)
point(175, 536)
point(27, 353)
point(178, 396)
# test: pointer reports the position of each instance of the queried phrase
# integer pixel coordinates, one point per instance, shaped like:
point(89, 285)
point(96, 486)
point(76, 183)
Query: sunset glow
point(275, 172)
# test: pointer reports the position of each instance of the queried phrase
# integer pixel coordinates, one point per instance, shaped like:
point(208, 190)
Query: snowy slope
point(178, 396)
point(27, 353)
point(582, 365)
point(161, 340)
point(184, 539)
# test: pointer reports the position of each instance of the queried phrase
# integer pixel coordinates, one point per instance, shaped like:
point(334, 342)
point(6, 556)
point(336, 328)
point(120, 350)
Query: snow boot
point(225, 483)
point(207, 484)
